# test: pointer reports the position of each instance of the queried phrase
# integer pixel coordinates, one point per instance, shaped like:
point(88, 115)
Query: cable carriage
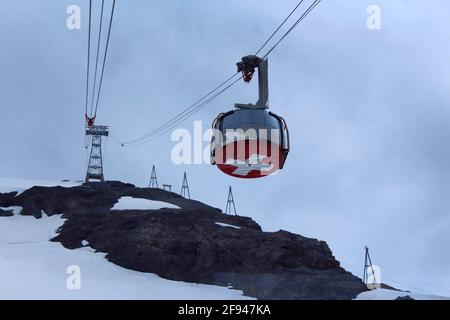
point(250, 141)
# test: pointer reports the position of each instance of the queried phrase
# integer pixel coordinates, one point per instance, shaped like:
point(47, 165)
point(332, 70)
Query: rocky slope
point(187, 244)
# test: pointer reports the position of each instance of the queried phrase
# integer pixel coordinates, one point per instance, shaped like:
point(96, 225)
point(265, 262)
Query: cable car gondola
point(250, 141)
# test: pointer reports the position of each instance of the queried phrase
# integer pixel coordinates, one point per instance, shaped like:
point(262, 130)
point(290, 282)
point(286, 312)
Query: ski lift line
point(180, 115)
point(179, 118)
point(390, 279)
point(408, 286)
point(190, 113)
point(302, 17)
point(429, 286)
point(432, 284)
point(279, 27)
point(106, 53)
point(392, 271)
point(98, 54)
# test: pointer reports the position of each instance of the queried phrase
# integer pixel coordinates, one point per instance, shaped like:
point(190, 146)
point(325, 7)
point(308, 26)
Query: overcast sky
point(368, 110)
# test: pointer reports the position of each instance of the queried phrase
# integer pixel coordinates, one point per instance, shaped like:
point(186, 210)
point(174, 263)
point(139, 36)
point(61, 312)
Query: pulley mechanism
point(247, 67)
point(90, 121)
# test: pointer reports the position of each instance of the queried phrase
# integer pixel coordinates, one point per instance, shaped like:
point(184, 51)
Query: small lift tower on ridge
point(230, 203)
point(185, 188)
point(153, 180)
point(369, 276)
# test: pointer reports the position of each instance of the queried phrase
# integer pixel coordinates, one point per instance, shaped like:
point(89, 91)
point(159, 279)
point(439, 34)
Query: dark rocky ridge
point(6, 213)
point(188, 245)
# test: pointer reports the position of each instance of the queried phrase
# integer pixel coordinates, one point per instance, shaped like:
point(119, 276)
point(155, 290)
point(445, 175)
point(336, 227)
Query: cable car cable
point(193, 109)
point(88, 56)
point(98, 54)
point(279, 27)
point(86, 141)
point(169, 122)
point(201, 106)
point(168, 128)
point(180, 115)
point(106, 53)
point(303, 16)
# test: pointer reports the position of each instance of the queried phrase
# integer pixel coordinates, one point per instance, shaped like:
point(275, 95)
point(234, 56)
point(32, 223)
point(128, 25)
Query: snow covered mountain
point(32, 267)
point(125, 242)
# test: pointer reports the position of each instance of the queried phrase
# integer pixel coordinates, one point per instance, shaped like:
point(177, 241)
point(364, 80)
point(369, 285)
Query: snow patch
point(129, 203)
point(227, 225)
point(31, 267)
point(385, 294)
point(26, 229)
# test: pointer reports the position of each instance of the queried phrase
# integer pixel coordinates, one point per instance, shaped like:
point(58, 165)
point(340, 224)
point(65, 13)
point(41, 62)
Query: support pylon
point(153, 180)
point(230, 203)
point(368, 268)
point(185, 188)
point(95, 166)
